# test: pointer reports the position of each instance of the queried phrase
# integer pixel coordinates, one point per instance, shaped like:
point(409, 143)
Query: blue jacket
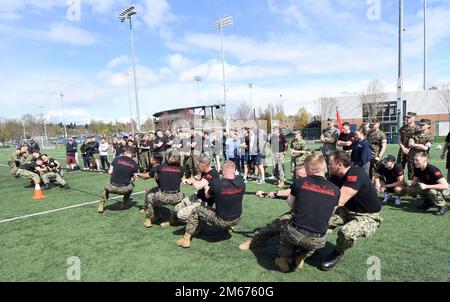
point(361, 153)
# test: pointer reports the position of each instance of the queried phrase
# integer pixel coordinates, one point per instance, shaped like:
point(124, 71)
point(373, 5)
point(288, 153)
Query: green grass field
point(412, 245)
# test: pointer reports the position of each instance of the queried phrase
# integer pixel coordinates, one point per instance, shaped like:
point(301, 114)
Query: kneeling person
point(389, 179)
point(429, 183)
point(313, 199)
point(185, 208)
point(122, 171)
point(170, 174)
point(359, 207)
point(52, 173)
point(227, 193)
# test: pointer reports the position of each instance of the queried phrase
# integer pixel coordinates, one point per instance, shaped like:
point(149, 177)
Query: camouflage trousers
point(144, 161)
point(13, 165)
point(272, 229)
point(47, 177)
point(437, 197)
point(29, 175)
point(190, 164)
point(125, 191)
point(293, 241)
point(186, 207)
point(402, 159)
point(279, 160)
point(295, 162)
point(207, 215)
point(158, 199)
point(373, 167)
point(149, 195)
point(354, 225)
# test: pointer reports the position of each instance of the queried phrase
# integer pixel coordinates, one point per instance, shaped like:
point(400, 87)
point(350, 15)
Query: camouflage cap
point(425, 122)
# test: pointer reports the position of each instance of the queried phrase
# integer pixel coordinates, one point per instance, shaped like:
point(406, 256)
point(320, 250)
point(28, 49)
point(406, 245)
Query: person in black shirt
point(84, 149)
point(123, 171)
point(170, 174)
point(32, 170)
point(313, 200)
point(94, 152)
point(53, 173)
point(227, 194)
point(359, 207)
point(71, 151)
point(155, 161)
point(429, 183)
point(158, 143)
point(185, 208)
point(34, 147)
point(389, 179)
point(347, 138)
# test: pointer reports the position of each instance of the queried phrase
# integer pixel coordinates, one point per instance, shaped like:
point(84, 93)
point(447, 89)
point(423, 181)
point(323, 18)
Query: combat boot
point(246, 245)
point(283, 264)
point(281, 184)
point(101, 207)
point(185, 242)
point(442, 211)
point(148, 222)
point(143, 211)
point(332, 260)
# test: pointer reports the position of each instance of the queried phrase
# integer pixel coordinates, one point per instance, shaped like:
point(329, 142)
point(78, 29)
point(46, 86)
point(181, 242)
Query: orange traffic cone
point(38, 194)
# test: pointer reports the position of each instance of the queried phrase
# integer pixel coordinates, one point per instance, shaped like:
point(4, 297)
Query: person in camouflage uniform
point(143, 152)
point(298, 152)
point(378, 144)
point(405, 134)
point(428, 184)
point(329, 138)
point(14, 162)
point(420, 141)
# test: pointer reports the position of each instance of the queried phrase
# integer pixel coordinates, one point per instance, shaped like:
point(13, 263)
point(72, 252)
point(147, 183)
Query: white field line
point(61, 209)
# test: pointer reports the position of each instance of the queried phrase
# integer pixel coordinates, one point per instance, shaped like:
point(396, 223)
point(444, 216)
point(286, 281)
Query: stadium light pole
point(198, 79)
point(250, 86)
point(424, 45)
point(400, 66)
point(63, 119)
point(43, 121)
point(127, 73)
point(124, 15)
point(219, 25)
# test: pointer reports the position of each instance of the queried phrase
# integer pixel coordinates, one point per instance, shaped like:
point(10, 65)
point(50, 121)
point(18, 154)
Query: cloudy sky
point(293, 51)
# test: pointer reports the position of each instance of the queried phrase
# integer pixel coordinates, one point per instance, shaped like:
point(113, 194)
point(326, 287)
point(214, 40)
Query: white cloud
point(58, 32)
point(155, 13)
point(119, 61)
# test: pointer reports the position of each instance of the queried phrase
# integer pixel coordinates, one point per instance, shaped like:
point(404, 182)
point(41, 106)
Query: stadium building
point(199, 117)
point(432, 105)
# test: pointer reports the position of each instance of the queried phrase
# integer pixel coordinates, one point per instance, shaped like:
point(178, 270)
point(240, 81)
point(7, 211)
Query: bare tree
point(371, 97)
point(444, 95)
point(243, 112)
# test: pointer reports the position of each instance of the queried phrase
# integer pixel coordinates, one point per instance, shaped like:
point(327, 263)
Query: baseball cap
point(389, 158)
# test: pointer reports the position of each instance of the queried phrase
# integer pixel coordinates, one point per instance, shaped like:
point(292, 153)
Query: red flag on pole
point(338, 119)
